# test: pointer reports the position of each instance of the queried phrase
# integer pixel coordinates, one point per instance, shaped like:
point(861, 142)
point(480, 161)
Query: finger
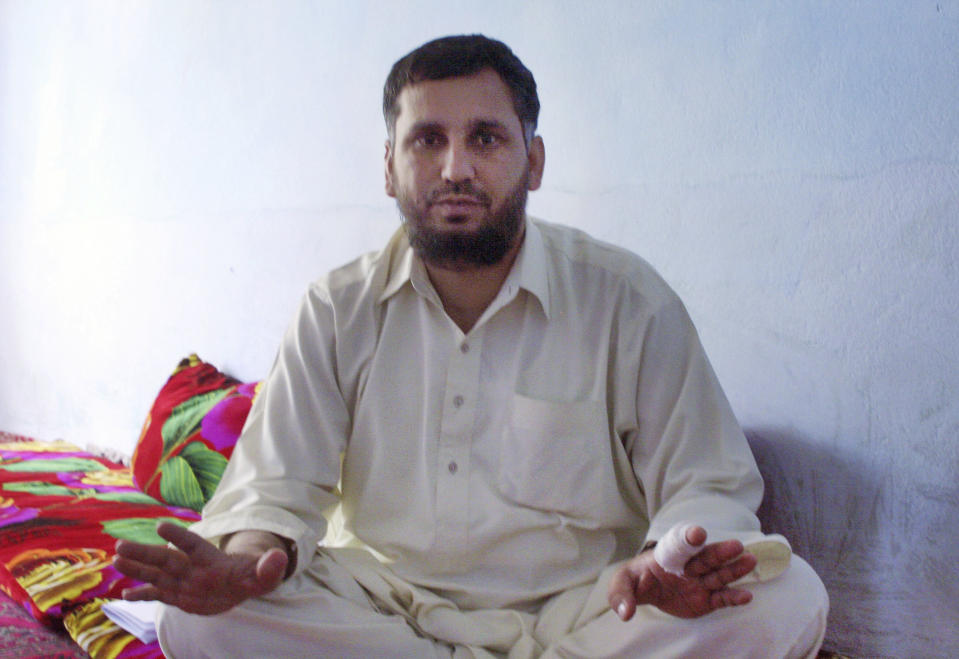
point(194, 546)
point(729, 597)
point(620, 593)
point(712, 557)
point(695, 535)
point(149, 554)
point(141, 593)
point(147, 572)
point(129, 567)
point(164, 558)
point(728, 573)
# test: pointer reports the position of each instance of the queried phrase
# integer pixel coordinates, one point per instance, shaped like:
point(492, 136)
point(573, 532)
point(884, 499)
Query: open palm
point(703, 587)
point(194, 575)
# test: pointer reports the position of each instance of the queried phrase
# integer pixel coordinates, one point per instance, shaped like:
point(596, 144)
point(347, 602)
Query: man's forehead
point(480, 96)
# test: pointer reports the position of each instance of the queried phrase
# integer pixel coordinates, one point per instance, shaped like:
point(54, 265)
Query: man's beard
point(463, 250)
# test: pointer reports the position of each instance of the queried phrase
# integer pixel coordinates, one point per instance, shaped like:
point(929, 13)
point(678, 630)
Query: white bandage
point(673, 550)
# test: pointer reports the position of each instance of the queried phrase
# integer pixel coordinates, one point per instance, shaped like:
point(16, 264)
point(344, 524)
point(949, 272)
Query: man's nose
point(458, 164)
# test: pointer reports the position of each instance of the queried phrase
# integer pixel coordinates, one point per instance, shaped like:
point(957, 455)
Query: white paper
point(138, 618)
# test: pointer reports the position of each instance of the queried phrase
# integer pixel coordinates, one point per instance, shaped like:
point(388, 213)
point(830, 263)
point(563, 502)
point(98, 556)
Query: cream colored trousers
point(348, 605)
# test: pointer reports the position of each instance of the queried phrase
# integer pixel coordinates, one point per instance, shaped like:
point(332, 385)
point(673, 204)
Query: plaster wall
point(173, 173)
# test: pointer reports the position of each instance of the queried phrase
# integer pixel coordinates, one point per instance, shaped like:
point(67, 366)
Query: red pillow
point(190, 433)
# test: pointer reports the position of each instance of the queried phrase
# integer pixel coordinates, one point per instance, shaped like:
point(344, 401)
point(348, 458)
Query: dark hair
point(452, 57)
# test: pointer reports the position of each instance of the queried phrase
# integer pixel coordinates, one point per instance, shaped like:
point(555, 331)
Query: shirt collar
point(397, 259)
point(529, 271)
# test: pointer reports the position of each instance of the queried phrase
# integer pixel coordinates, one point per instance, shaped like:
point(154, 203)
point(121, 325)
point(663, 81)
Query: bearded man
point(472, 441)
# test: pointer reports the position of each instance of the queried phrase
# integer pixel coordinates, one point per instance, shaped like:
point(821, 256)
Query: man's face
point(460, 170)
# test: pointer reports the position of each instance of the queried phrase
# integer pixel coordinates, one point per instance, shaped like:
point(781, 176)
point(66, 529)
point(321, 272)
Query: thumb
point(620, 593)
point(270, 569)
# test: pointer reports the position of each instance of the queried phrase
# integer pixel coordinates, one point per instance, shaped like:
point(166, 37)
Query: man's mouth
point(457, 208)
point(457, 201)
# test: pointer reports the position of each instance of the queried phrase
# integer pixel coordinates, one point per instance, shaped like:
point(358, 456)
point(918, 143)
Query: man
point(491, 422)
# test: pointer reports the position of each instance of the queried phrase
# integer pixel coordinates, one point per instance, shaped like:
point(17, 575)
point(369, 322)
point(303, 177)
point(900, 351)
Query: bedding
point(21, 636)
point(61, 512)
point(62, 509)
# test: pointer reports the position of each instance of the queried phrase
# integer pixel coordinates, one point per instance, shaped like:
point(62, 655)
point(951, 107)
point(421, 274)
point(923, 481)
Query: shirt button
point(457, 401)
point(453, 467)
point(465, 348)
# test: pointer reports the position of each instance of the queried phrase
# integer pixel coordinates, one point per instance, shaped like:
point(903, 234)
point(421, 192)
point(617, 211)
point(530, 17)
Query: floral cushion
point(190, 432)
point(61, 512)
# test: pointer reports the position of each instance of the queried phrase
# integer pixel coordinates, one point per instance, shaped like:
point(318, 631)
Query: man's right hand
point(197, 577)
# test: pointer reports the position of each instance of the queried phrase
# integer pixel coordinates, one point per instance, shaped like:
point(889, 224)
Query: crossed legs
point(325, 613)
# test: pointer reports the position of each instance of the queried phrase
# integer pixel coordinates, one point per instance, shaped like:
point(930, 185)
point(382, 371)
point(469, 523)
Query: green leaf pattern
point(42, 488)
point(190, 478)
point(139, 529)
point(185, 418)
point(53, 465)
point(178, 484)
point(207, 465)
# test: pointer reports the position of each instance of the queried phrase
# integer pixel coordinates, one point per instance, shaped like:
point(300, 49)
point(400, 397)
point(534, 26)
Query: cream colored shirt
point(578, 418)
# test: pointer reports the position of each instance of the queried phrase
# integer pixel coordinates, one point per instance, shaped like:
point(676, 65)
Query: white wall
point(173, 173)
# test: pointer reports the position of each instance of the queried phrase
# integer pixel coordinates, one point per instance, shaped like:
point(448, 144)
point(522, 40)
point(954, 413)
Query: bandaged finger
point(673, 550)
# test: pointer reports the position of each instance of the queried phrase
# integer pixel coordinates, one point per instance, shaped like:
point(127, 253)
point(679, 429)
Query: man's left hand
point(702, 588)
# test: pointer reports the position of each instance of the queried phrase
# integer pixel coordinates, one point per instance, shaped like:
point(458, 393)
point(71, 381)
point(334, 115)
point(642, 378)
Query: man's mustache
point(464, 189)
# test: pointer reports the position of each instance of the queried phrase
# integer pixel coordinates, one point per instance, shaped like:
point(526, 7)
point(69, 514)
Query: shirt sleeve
point(690, 455)
point(284, 471)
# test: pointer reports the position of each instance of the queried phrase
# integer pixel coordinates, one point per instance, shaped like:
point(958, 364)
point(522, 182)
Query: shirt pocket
point(554, 456)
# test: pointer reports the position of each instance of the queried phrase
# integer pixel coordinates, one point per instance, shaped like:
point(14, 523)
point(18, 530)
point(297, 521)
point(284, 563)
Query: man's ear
point(388, 169)
point(536, 156)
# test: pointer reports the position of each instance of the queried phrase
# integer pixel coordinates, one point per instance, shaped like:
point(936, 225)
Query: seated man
point(489, 424)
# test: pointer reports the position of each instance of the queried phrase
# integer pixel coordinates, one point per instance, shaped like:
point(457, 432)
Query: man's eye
point(486, 139)
point(428, 141)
